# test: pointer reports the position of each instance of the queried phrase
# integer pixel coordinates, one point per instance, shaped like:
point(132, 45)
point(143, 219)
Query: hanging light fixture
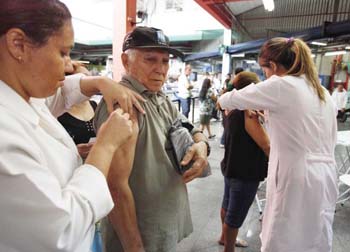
point(269, 5)
point(318, 43)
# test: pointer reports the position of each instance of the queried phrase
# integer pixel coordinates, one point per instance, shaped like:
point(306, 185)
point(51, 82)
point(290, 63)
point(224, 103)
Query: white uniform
point(49, 201)
point(302, 180)
point(340, 99)
point(184, 92)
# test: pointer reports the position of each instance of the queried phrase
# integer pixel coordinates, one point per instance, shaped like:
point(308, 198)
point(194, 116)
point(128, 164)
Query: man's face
point(149, 67)
point(340, 87)
point(188, 70)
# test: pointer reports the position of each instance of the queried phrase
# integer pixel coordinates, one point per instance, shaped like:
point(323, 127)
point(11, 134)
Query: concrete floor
point(205, 199)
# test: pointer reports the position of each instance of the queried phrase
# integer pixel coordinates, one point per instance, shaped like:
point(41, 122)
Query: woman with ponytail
point(302, 179)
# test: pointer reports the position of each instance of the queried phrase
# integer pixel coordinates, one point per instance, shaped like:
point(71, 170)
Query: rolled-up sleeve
point(67, 96)
point(262, 96)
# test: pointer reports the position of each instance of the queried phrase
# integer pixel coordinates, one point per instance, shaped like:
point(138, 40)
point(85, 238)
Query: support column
point(226, 58)
point(124, 18)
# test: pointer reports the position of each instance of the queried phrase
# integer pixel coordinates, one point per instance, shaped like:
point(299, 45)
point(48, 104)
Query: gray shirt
point(160, 195)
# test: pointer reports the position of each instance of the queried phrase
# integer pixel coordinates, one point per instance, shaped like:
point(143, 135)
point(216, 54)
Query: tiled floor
point(206, 195)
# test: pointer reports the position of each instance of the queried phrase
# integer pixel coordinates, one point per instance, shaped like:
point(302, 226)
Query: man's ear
point(15, 41)
point(125, 61)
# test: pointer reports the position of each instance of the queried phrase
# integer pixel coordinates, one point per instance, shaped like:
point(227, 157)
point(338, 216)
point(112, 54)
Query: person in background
point(238, 70)
point(207, 76)
point(78, 120)
point(207, 100)
point(47, 200)
point(226, 82)
point(340, 98)
point(152, 212)
point(216, 80)
point(302, 186)
point(216, 88)
point(229, 87)
point(184, 88)
point(244, 165)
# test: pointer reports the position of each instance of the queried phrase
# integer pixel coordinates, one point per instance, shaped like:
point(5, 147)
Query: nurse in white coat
point(302, 181)
point(49, 199)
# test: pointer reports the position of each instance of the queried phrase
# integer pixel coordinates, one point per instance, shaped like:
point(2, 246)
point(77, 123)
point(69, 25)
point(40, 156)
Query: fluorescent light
point(250, 61)
point(238, 55)
point(347, 48)
point(83, 61)
point(269, 5)
point(334, 53)
point(313, 55)
point(318, 43)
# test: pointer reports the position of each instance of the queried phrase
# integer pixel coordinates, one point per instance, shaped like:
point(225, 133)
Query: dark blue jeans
point(185, 106)
point(222, 139)
point(238, 197)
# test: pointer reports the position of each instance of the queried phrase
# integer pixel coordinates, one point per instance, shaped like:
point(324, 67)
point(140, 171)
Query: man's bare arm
point(123, 215)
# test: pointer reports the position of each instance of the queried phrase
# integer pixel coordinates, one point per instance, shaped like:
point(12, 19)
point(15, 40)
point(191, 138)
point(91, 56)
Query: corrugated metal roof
point(292, 16)
point(239, 7)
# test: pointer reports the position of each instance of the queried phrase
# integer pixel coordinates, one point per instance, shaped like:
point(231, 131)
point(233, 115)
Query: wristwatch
point(208, 146)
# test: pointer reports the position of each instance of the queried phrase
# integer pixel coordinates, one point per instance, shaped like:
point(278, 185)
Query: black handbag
point(180, 140)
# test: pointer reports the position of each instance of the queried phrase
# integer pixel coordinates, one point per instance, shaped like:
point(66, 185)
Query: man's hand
point(198, 153)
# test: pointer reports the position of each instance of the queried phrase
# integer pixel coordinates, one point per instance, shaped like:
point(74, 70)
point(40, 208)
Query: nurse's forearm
point(225, 101)
point(90, 85)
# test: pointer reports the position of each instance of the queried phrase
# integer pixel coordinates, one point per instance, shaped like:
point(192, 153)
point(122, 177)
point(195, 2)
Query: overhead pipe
point(294, 16)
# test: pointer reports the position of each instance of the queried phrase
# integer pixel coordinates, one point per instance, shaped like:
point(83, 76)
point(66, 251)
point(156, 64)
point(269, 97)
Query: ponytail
point(295, 56)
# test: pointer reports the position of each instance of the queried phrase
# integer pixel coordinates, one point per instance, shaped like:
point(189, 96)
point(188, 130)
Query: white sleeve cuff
point(72, 92)
point(91, 184)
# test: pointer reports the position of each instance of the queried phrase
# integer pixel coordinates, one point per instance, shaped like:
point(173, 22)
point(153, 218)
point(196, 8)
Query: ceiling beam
point(224, 1)
point(216, 9)
point(222, 13)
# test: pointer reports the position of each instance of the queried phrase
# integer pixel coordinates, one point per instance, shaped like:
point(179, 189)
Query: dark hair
point(228, 79)
point(295, 56)
point(238, 70)
point(204, 89)
point(244, 79)
point(38, 19)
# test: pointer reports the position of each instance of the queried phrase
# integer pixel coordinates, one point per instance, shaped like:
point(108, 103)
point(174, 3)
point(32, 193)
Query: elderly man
point(152, 211)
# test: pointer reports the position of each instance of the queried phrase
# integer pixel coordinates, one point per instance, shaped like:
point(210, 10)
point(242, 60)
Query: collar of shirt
point(155, 97)
point(35, 112)
point(12, 101)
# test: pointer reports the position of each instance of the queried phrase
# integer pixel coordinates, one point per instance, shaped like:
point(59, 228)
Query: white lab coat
point(340, 99)
point(302, 180)
point(49, 201)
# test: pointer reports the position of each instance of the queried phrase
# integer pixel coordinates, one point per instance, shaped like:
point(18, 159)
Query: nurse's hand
point(127, 99)
point(198, 153)
point(255, 113)
point(112, 134)
point(116, 130)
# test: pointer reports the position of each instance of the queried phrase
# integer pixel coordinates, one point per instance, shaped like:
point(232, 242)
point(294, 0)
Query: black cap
point(149, 37)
